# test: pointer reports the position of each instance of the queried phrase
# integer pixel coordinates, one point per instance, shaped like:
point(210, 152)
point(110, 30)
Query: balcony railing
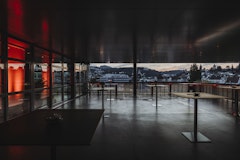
point(143, 89)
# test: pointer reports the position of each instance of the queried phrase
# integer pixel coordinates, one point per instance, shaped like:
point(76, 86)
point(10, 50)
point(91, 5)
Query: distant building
point(216, 79)
point(115, 78)
point(233, 80)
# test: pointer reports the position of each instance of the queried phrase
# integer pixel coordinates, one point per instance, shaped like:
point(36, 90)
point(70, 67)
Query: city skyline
point(165, 66)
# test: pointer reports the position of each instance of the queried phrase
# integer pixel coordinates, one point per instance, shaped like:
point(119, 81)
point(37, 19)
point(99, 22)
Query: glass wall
point(18, 85)
point(35, 78)
point(67, 81)
point(57, 79)
point(81, 79)
point(84, 78)
point(41, 77)
point(77, 79)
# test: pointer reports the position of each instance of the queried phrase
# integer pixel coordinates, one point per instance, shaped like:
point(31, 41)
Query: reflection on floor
point(136, 130)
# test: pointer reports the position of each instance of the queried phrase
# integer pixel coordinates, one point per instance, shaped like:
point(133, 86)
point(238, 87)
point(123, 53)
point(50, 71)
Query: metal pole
point(156, 96)
point(50, 81)
point(170, 89)
point(102, 97)
point(236, 102)
point(116, 90)
point(4, 50)
point(31, 78)
point(195, 119)
point(151, 91)
point(134, 63)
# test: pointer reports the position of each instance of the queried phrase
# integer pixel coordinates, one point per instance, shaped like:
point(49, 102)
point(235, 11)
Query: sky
point(165, 66)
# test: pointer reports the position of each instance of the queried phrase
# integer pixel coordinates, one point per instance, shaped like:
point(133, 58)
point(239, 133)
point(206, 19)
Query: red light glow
point(16, 53)
point(15, 79)
point(45, 30)
point(15, 15)
point(18, 79)
point(15, 152)
point(45, 79)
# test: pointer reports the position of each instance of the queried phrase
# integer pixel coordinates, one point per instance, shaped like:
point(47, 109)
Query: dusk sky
point(165, 66)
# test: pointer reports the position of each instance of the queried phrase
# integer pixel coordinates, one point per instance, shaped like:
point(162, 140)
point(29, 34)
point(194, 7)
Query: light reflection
point(101, 52)
point(219, 32)
point(1, 66)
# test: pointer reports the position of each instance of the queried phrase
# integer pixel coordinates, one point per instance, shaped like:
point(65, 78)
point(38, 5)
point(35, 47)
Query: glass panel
point(57, 95)
point(18, 105)
point(77, 72)
point(16, 76)
point(67, 92)
point(41, 97)
point(83, 71)
point(57, 74)
point(17, 50)
point(84, 78)
point(41, 68)
point(67, 74)
point(57, 79)
point(77, 78)
point(67, 67)
point(41, 55)
point(41, 75)
point(77, 89)
point(56, 71)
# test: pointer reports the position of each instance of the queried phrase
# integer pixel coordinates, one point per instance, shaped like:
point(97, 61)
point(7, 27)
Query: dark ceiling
point(112, 30)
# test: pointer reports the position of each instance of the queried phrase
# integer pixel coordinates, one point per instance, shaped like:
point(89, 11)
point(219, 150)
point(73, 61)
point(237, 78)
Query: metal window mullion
point(50, 81)
point(62, 79)
point(4, 50)
point(31, 69)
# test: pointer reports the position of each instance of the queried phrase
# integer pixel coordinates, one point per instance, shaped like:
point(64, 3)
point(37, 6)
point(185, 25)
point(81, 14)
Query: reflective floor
point(137, 130)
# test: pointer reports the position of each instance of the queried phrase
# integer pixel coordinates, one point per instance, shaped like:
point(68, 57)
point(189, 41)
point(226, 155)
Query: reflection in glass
point(41, 68)
point(77, 72)
point(57, 95)
point(18, 105)
point(41, 97)
point(16, 78)
point(81, 78)
point(84, 78)
point(77, 89)
point(66, 74)
point(57, 79)
point(17, 50)
point(77, 78)
point(67, 92)
point(41, 75)
point(67, 67)
point(57, 74)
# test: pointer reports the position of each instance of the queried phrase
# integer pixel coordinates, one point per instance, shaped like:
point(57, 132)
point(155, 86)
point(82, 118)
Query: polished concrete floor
point(137, 130)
